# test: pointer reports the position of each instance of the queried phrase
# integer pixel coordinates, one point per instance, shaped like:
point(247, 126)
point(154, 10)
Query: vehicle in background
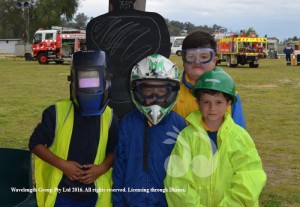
point(240, 49)
point(57, 44)
point(273, 47)
point(176, 43)
point(23, 49)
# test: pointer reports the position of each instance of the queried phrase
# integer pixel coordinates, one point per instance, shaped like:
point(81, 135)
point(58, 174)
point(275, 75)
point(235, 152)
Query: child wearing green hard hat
point(214, 160)
point(199, 50)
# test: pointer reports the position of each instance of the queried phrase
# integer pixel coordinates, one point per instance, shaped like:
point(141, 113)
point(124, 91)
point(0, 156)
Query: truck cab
point(45, 46)
point(57, 45)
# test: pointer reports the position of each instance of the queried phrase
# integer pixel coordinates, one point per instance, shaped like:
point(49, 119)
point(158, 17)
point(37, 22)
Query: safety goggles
point(198, 56)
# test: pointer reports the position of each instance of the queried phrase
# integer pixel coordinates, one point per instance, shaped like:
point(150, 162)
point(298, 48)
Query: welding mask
point(90, 84)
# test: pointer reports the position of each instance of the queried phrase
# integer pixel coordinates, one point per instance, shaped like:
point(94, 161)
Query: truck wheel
point(253, 65)
point(229, 63)
point(43, 59)
point(28, 57)
point(179, 53)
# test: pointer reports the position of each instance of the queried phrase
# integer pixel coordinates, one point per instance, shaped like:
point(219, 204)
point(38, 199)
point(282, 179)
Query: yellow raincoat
point(231, 177)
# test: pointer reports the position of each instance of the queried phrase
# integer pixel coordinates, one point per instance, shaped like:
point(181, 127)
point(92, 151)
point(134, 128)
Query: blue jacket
point(288, 50)
point(128, 173)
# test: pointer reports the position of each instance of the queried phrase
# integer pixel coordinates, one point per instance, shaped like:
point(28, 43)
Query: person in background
point(147, 134)
point(214, 161)
point(288, 51)
point(199, 55)
point(75, 139)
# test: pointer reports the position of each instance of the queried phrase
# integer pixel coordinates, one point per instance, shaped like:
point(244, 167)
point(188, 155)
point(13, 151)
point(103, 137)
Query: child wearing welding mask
point(199, 55)
point(214, 161)
point(75, 139)
point(147, 134)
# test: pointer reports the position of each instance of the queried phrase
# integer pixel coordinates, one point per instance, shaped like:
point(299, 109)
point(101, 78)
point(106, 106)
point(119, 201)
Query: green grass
point(26, 89)
point(270, 96)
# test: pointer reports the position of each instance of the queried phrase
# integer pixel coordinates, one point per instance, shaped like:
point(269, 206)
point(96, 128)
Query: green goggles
point(198, 56)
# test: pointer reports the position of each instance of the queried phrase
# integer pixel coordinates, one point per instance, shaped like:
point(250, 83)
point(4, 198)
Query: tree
point(79, 22)
point(175, 27)
point(249, 31)
point(9, 18)
point(45, 14)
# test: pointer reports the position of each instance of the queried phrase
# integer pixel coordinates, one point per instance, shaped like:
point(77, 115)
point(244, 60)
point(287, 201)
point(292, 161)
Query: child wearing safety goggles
point(199, 56)
point(147, 134)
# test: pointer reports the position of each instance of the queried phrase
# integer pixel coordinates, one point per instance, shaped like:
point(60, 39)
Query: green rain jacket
point(197, 177)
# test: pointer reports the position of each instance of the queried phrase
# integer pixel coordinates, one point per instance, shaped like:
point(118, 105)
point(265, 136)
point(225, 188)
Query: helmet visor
point(198, 56)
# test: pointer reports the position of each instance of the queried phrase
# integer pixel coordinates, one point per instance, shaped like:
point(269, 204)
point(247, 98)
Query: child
point(75, 140)
point(214, 161)
point(144, 137)
point(199, 55)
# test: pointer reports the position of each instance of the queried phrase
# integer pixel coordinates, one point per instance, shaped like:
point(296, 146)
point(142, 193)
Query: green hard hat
point(218, 80)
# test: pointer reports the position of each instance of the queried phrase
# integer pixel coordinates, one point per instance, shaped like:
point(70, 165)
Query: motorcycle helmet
point(154, 86)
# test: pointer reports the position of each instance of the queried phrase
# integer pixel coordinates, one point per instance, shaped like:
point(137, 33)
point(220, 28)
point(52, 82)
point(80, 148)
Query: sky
point(274, 18)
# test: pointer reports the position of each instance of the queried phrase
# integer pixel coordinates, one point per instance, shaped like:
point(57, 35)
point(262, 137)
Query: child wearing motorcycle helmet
point(199, 55)
point(75, 140)
point(147, 134)
point(214, 160)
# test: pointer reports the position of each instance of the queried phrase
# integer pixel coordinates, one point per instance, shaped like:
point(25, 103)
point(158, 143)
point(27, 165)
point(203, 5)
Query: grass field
point(270, 96)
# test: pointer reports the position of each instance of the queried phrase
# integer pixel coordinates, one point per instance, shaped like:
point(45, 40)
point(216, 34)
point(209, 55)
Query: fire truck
point(57, 44)
point(240, 49)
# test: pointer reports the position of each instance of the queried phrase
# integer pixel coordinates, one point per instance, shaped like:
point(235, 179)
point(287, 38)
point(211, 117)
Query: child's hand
point(90, 173)
point(72, 170)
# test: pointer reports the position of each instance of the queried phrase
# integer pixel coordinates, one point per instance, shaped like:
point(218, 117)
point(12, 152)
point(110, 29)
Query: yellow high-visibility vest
point(48, 177)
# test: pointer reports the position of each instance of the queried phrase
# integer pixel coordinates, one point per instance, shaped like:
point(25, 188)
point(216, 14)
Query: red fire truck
point(240, 49)
point(57, 44)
